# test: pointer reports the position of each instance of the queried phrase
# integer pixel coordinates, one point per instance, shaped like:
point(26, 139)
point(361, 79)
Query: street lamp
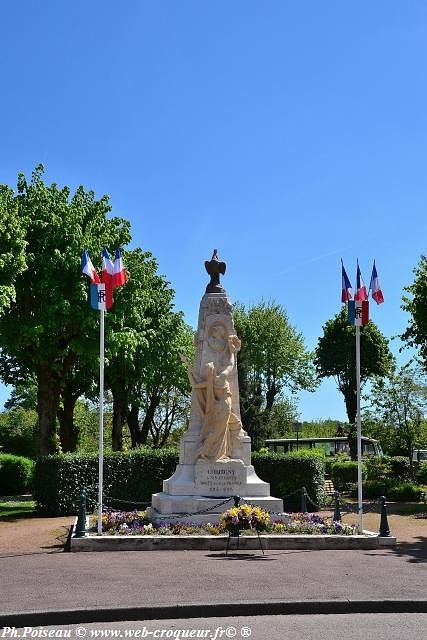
point(297, 429)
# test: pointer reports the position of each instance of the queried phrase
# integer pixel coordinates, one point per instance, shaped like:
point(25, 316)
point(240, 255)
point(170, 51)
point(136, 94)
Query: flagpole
point(359, 433)
point(101, 419)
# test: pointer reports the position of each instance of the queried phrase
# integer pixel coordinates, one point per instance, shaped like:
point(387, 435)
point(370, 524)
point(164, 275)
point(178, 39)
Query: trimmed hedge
point(16, 474)
point(393, 491)
point(134, 476)
point(287, 473)
point(128, 477)
point(344, 473)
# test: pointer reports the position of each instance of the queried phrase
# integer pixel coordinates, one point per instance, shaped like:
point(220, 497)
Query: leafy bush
point(16, 473)
point(388, 467)
point(421, 474)
point(405, 492)
point(287, 473)
point(392, 490)
point(344, 473)
point(18, 432)
point(400, 468)
point(134, 476)
point(128, 477)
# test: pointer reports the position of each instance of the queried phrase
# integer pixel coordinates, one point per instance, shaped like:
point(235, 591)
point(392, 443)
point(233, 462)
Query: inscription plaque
point(220, 480)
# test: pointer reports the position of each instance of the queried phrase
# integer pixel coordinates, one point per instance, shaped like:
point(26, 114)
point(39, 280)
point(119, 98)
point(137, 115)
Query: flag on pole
point(346, 294)
point(89, 269)
point(375, 287)
point(361, 293)
point(98, 297)
point(107, 267)
point(358, 312)
point(119, 272)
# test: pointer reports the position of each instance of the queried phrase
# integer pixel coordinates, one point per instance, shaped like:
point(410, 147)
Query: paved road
point(308, 627)
point(159, 584)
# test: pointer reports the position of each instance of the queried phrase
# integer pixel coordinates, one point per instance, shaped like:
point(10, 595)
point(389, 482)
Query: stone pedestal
point(215, 452)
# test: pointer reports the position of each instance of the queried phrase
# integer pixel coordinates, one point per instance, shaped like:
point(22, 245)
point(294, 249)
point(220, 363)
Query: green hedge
point(288, 472)
point(134, 476)
point(421, 474)
point(392, 490)
point(344, 473)
point(16, 474)
point(128, 477)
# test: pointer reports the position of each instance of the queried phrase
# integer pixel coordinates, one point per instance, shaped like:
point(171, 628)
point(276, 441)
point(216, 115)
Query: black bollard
point(303, 500)
point(337, 509)
point(236, 500)
point(81, 517)
point(384, 528)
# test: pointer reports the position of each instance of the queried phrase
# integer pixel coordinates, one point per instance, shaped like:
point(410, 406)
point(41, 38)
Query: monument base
point(171, 508)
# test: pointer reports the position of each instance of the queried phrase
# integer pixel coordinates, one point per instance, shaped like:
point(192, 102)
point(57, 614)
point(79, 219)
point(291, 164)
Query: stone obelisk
point(215, 452)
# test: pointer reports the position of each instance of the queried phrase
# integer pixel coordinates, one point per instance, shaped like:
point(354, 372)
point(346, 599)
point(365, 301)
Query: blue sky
point(285, 134)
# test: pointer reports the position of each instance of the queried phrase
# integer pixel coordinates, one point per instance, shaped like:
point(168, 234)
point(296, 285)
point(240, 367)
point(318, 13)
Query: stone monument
point(215, 452)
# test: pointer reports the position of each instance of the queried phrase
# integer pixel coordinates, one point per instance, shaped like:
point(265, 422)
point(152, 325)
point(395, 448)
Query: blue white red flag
point(107, 267)
point(358, 312)
point(361, 293)
point(89, 269)
point(98, 297)
point(119, 274)
point(346, 293)
point(374, 286)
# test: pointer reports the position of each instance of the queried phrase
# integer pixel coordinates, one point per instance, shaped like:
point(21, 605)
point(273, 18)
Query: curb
point(208, 610)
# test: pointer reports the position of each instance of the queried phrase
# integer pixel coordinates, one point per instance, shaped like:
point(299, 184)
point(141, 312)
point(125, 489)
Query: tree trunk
point(48, 393)
point(133, 424)
point(67, 429)
point(153, 403)
point(350, 398)
point(120, 411)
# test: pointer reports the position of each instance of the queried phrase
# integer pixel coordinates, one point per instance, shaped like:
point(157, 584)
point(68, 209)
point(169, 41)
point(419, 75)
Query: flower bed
point(246, 520)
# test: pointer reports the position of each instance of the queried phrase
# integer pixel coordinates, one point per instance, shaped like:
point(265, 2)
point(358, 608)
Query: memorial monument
point(215, 452)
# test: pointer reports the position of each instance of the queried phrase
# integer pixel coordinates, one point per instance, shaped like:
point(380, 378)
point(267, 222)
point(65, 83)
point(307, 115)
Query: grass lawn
point(17, 507)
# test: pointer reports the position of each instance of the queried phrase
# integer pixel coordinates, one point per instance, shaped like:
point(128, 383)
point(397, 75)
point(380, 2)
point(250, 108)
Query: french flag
point(374, 286)
point(89, 269)
point(358, 312)
point(119, 272)
point(346, 294)
point(107, 268)
point(361, 293)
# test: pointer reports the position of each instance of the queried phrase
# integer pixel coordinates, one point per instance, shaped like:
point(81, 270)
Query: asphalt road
point(390, 626)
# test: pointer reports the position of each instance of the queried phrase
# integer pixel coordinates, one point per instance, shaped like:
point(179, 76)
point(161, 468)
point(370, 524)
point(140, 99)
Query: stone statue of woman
point(221, 428)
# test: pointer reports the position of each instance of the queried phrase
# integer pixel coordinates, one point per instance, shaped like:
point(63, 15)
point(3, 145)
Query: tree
point(273, 358)
point(335, 357)
point(416, 305)
point(399, 402)
point(47, 326)
point(144, 338)
point(12, 246)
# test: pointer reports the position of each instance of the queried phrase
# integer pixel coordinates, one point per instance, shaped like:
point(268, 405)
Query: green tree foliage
point(12, 246)
point(144, 338)
point(416, 305)
point(335, 357)
point(18, 432)
point(273, 359)
point(48, 326)
point(399, 402)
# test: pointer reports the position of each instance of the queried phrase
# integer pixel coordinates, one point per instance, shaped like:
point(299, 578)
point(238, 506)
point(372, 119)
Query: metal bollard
point(337, 509)
point(236, 500)
point(81, 517)
point(303, 500)
point(384, 528)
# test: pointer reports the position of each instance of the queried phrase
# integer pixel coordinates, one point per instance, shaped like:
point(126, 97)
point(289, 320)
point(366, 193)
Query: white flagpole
point(101, 419)
point(359, 433)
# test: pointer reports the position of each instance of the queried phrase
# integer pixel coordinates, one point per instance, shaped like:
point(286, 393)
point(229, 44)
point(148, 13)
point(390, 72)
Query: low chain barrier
point(340, 506)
